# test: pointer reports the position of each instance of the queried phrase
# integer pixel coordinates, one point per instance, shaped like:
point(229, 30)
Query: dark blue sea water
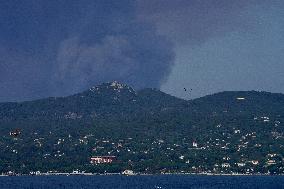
point(147, 182)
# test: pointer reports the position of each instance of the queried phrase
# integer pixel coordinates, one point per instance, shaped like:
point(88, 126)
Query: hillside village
point(226, 133)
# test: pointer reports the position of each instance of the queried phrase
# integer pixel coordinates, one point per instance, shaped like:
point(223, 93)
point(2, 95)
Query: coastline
point(139, 174)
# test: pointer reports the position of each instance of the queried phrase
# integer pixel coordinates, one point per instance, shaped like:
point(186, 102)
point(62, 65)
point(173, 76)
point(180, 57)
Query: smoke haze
point(52, 48)
point(55, 48)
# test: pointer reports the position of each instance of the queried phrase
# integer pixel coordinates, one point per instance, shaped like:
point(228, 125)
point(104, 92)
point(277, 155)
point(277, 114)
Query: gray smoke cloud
point(51, 48)
point(194, 22)
point(141, 59)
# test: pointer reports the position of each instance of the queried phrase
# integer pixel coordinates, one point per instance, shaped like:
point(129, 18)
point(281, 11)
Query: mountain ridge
point(117, 86)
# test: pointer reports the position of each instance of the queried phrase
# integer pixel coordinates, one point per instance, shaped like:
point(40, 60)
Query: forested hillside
point(147, 131)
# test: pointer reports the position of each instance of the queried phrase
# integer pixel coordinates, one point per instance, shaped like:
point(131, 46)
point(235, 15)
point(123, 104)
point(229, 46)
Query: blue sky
point(55, 48)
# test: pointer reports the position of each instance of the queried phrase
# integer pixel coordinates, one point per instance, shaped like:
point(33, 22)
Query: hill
point(147, 131)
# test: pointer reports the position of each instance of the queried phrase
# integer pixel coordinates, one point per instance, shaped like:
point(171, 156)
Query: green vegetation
point(148, 131)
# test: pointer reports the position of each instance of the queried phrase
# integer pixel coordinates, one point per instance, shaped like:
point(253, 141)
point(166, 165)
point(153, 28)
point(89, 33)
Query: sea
point(141, 181)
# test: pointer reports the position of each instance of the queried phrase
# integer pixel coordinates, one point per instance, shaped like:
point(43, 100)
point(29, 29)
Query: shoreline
point(138, 174)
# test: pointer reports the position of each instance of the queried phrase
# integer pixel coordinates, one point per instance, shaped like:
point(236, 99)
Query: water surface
point(147, 182)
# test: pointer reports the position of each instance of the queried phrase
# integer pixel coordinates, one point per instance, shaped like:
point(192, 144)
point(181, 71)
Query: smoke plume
point(52, 48)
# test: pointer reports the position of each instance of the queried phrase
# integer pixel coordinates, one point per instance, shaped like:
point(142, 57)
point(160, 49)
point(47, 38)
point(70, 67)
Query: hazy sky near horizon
point(54, 48)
